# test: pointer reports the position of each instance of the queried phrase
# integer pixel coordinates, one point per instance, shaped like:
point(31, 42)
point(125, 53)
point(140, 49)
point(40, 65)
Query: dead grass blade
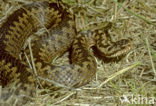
point(118, 73)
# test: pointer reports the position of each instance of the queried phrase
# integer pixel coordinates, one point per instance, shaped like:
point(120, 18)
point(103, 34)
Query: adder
point(59, 35)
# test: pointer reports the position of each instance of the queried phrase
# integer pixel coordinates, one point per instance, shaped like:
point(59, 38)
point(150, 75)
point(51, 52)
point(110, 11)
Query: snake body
point(59, 35)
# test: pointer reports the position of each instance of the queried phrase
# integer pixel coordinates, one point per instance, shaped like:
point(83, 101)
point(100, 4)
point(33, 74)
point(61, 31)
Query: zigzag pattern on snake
point(59, 35)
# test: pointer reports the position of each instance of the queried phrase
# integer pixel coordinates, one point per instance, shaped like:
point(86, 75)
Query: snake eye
point(124, 43)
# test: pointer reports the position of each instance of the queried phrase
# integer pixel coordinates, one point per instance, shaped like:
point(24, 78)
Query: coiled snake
point(60, 34)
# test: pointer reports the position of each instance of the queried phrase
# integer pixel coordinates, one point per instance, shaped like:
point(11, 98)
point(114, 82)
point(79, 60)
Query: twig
point(32, 61)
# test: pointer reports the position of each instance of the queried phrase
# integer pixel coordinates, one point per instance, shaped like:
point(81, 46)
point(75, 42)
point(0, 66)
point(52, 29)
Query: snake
point(59, 34)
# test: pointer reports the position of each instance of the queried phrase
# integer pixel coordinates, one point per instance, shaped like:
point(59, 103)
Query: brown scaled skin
point(59, 36)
